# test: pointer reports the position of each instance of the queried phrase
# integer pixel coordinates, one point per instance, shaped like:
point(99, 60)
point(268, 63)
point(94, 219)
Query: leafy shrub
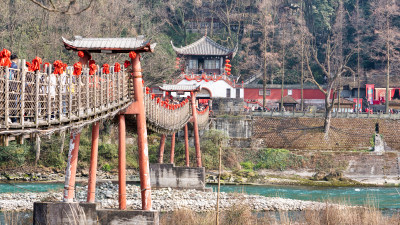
point(13, 155)
point(106, 167)
point(275, 159)
point(247, 165)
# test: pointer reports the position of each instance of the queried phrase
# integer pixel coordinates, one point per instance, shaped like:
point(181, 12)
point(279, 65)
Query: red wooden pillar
point(121, 163)
point(187, 145)
point(93, 163)
point(70, 172)
point(161, 149)
point(142, 135)
point(196, 130)
point(172, 148)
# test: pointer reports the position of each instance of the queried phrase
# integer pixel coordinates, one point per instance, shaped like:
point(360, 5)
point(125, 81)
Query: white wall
point(218, 88)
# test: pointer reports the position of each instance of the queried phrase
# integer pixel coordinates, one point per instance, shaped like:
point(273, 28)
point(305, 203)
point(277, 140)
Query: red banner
point(370, 92)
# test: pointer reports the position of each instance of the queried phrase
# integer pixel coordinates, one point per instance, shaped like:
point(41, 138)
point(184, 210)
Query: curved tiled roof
point(109, 45)
point(204, 46)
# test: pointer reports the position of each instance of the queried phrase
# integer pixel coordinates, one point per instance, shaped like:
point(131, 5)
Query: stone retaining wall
point(167, 175)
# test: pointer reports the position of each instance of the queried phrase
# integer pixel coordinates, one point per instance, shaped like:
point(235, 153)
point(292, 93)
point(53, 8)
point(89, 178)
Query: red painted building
point(312, 95)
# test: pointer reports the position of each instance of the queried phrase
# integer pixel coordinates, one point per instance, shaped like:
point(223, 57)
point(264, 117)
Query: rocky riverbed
point(164, 199)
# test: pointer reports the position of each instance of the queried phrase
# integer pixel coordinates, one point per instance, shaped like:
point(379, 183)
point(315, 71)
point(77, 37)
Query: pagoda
point(207, 63)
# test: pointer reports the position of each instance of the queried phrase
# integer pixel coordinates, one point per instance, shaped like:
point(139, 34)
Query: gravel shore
point(164, 199)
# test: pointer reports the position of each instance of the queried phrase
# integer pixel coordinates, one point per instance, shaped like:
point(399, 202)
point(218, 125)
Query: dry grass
point(242, 215)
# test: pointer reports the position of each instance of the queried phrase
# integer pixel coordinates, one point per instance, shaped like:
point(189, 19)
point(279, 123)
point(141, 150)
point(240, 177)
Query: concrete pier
point(88, 214)
point(167, 175)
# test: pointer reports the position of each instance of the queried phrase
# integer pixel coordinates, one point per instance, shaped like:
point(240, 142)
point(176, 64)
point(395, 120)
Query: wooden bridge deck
point(43, 102)
point(37, 100)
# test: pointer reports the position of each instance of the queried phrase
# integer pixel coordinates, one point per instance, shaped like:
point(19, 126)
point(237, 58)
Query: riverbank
point(165, 199)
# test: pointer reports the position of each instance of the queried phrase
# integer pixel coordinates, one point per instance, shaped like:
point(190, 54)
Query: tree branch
point(55, 9)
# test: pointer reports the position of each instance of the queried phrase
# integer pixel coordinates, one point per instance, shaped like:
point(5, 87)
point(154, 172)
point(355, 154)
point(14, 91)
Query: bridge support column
point(142, 135)
point(196, 130)
point(161, 149)
point(172, 148)
point(93, 163)
point(187, 145)
point(70, 172)
point(121, 163)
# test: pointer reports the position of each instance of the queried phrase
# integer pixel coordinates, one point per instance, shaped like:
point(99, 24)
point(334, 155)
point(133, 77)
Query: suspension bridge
point(45, 99)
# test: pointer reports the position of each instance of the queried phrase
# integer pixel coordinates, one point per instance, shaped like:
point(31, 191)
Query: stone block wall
point(307, 133)
point(234, 126)
point(231, 106)
point(167, 175)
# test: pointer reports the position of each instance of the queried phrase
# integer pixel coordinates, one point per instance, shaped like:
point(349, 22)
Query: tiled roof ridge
point(196, 43)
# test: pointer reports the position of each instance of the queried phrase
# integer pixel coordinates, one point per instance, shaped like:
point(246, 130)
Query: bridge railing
point(166, 119)
point(32, 99)
point(203, 118)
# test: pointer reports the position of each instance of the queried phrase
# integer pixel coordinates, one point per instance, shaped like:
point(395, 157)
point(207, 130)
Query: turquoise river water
point(381, 197)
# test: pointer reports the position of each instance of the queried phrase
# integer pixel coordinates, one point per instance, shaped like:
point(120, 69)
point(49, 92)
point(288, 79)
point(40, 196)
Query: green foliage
point(247, 165)
point(108, 151)
point(210, 143)
point(13, 155)
point(106, 167)
point(275, 159)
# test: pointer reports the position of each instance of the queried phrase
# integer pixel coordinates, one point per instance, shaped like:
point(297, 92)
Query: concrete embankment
point(163, 199)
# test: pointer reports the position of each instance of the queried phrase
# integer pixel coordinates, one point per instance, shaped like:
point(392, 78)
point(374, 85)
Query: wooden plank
point(78, 92)
point(101, 93)
point(48, 96)
point(94, 86)
point(108, 91)
point(37, 77)
point(87, 95)
point(7, 97)
point(22, 96)
point(60, 88)
point(70, 97)
point(119, 88)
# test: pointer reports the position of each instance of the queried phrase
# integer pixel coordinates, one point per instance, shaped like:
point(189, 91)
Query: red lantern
point(132, 55)
point(58, 67)
point(5, 58)
point(117, 67)
point(92, 69)
point(81, 54)
point(127, 63)
point(106, 68)
point(77, 69)
point(36, 63)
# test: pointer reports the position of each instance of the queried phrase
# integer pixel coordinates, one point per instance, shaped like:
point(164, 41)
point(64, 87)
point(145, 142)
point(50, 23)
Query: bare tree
point(69, 8)
point(388, 35)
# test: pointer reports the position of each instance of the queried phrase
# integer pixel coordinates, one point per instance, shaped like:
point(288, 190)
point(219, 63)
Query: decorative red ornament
point(36, 63)
point(92, 62)
point(142, 81)
point(132, 55)
point(92, 69)
point(117, 67)
point(81, 54)
point(227, 60)
point(58, 67)
point(77, 69)
point(153, 96)
point(106, 68)
point(5, 58)
point(127, 63)
point(29, 66)
point(65, 66)
point(147, 90)
point(158, 100)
